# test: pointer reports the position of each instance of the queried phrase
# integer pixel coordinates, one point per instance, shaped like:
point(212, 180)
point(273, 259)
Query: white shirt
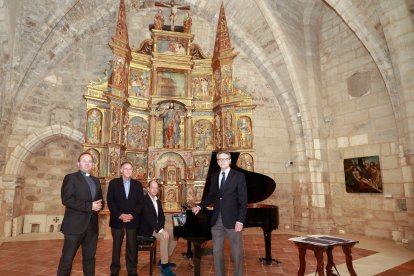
point(154, 201)
point(127, 185)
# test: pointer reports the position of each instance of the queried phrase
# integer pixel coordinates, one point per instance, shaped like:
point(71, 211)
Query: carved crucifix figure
point(173, 11)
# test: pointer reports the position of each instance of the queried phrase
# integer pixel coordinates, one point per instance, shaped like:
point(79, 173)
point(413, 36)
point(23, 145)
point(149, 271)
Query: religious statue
point(187, 23)
point(158, 20)
point(245, 132)
point(93, 132)
point(171, 127)
point(173, 11)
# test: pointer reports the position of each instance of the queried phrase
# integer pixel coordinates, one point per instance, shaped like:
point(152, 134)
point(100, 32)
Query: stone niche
point(37, 224)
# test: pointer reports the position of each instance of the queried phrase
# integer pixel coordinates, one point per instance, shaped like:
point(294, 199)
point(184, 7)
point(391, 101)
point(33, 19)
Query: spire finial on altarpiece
point(222, 36)
point(121, 54)
point(121, 25)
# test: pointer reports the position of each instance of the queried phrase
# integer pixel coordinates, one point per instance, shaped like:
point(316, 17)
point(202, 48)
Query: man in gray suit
point(228, 193)
point(82, 196)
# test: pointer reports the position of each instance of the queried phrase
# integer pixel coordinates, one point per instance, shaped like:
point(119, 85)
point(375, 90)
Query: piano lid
point(259, 186)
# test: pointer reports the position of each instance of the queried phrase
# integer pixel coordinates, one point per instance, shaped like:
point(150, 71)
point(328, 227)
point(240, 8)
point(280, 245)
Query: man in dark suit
point(228, 193)
point(82, 196)
point(153, 224)
point(125, 199)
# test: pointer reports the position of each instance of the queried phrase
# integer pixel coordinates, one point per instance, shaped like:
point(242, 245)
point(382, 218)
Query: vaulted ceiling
point(281, 38)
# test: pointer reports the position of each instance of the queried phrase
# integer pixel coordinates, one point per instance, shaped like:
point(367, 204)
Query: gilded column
point(188, 129)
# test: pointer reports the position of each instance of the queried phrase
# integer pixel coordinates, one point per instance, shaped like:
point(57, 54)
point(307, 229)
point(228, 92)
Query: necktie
point(223, 179)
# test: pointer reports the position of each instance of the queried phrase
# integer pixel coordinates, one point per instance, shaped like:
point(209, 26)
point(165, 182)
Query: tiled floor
point(41, 258)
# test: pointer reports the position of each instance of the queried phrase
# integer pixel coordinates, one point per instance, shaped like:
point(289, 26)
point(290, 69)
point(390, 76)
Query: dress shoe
point(167, 272)
point(167, 264)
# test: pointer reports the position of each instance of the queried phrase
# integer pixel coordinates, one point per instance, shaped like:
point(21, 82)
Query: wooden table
point(320, 244)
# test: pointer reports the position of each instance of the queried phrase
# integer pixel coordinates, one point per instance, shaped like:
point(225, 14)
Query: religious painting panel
point(115, 124)
point(96, 162)
point(226, 81)
point(137, 133)
point(228, 129)
point(198, 189)
point(246, 162)
point(201, 164)
point(139, 83)
point(191, 195)
point(171, 47)
point(202, 87)
point(119, 73)
point(113, 163)
point(363, 175)
point(203, 135)
point(139, 163)
point(93, 126)
point(171, 83)
point(170, 126)
point(244, 132)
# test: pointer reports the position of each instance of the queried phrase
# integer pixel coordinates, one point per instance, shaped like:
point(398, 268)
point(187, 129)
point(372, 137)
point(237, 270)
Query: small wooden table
point(320, 244)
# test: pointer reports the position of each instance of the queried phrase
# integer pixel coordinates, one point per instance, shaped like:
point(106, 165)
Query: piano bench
point(148, 244)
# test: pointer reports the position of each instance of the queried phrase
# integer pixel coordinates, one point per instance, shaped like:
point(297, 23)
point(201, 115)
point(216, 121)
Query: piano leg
point(189, 253)
point(197, 258)
point(268, 248)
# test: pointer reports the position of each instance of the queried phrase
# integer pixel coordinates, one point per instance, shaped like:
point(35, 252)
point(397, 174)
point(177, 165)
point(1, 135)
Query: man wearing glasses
point(82, 196)
point(228, 193)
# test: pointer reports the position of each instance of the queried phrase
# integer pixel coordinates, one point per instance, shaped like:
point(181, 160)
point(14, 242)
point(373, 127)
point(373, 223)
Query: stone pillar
point(11, 187)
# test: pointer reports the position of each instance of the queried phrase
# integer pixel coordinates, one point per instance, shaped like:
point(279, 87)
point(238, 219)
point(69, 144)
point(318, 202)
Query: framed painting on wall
point(363, 175)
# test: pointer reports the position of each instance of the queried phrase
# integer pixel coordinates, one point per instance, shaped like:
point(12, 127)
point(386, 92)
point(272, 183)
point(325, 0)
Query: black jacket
point(118, 203)
point(77, 198)
point(230, 201)
point(149, 220)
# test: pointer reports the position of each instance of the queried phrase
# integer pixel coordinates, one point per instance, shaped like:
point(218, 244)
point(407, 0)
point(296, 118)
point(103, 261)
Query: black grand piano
point(197, 230)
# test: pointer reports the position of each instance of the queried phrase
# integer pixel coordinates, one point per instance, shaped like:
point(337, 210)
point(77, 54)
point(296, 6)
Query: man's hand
point(97, 205)
point(238, 227)
point(165, 234)
point(126, 217)
point(195, 209)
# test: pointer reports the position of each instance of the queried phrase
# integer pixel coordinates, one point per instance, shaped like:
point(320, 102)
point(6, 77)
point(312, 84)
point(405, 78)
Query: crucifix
point(56, 219)
point(173, 11)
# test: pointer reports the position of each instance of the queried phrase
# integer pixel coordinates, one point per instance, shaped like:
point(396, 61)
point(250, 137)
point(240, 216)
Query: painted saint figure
point(171, 127)
point(93, 133)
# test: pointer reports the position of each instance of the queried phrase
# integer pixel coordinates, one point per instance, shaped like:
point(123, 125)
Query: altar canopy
point(165, 106)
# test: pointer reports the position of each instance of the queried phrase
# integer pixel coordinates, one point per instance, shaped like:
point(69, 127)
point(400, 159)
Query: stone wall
point(362, 124)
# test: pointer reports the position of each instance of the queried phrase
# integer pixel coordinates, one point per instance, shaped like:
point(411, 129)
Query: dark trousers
point(130, 247)
point(71, 244)
point(219, 233)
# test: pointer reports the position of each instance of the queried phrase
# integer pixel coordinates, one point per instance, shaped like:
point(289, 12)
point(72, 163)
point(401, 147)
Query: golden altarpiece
point(165, 107)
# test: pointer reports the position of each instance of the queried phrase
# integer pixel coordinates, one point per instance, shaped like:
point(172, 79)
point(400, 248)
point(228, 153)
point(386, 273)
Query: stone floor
point(38, 254)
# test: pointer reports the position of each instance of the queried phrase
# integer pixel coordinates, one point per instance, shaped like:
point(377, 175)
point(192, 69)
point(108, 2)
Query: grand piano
point(196, 229)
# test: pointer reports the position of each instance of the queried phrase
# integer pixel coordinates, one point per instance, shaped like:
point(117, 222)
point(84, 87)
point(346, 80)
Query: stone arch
point(17, 161)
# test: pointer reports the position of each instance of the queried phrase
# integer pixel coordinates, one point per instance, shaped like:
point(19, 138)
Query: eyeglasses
point(86, 162)
point(223, 159)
